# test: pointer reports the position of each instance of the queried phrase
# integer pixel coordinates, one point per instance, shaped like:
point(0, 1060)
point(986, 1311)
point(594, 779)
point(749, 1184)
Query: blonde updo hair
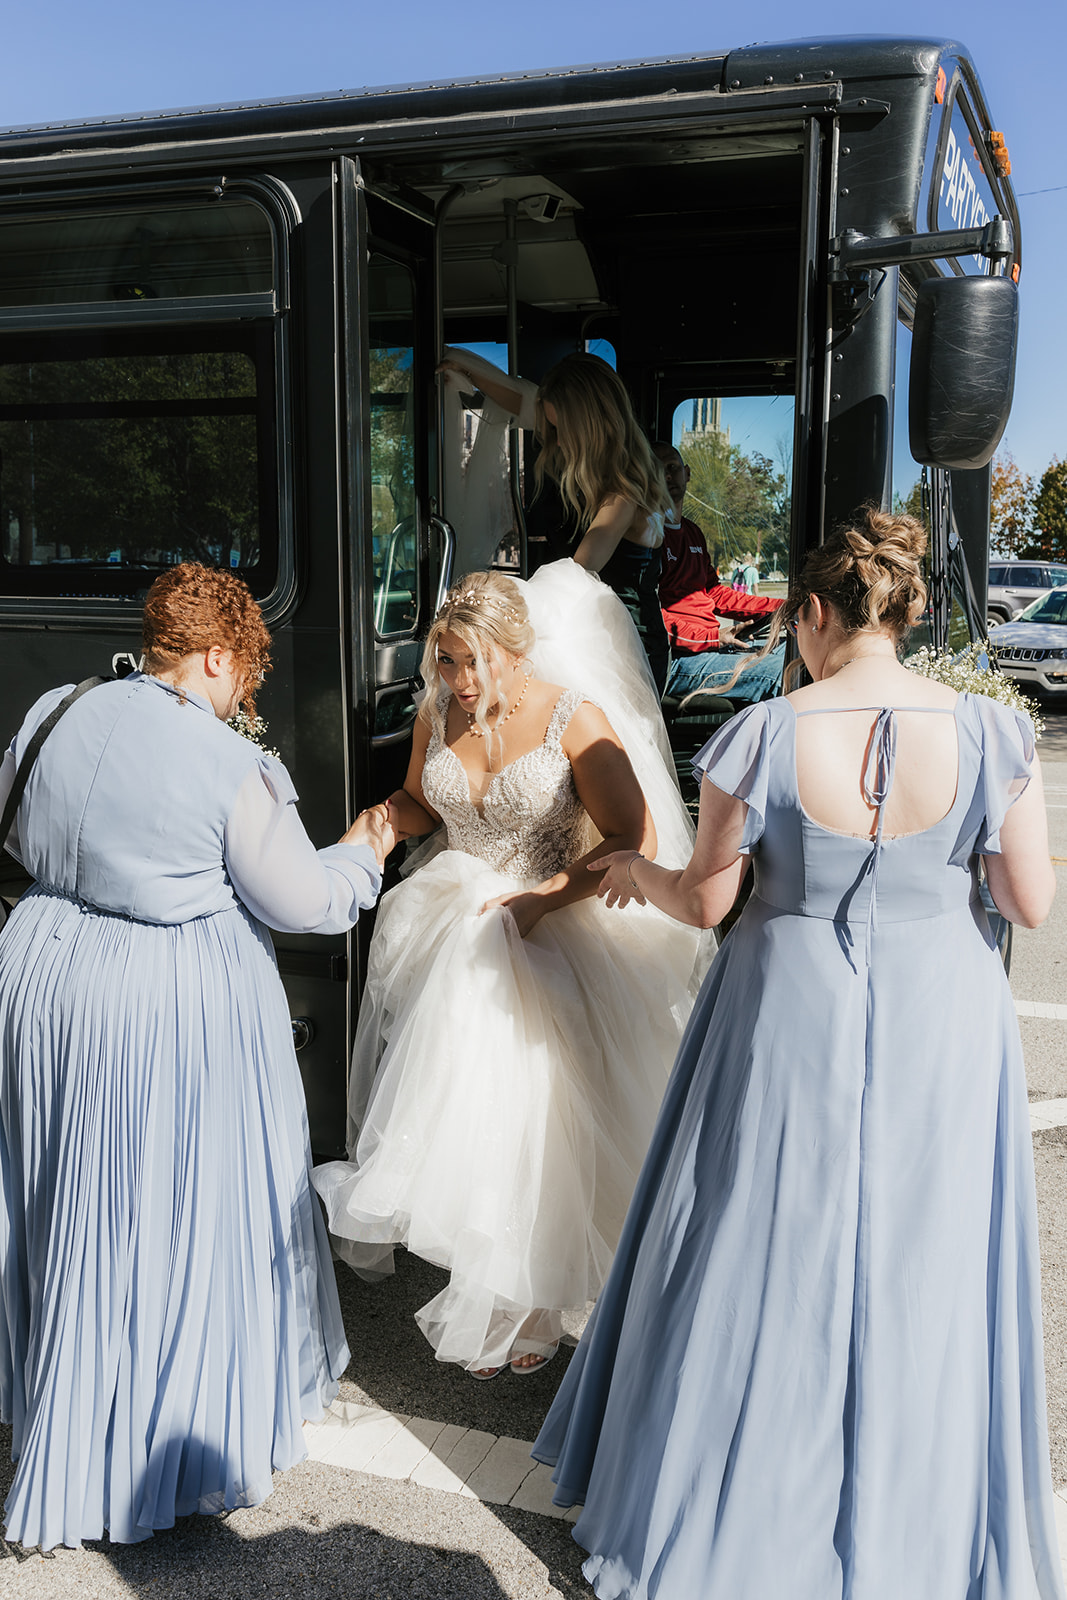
point(598, 449)
point(483, 609)
point(871, 573)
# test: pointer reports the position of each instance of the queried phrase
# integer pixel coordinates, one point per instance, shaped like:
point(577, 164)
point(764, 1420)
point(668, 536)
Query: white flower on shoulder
point(253, 729)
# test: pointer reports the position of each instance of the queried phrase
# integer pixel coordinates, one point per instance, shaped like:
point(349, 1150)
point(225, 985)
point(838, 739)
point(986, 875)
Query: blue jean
point(713, 668)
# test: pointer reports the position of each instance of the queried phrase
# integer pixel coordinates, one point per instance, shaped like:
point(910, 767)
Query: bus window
point(604, 349)
point(739, 451)
point(394, 519)
point(139, 418)
point(123, 452)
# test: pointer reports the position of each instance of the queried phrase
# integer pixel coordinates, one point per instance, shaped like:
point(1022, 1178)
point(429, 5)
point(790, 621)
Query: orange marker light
point(998, 149)
point(939, 88)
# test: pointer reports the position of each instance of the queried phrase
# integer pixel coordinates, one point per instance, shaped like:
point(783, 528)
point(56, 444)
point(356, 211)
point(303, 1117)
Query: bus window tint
point(124, 451)
point(161, 253)
point(394, 521)
point(739, 451)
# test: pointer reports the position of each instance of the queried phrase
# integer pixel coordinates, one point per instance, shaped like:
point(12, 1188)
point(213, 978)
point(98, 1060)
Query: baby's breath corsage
point(961, 670)
point(253, 729)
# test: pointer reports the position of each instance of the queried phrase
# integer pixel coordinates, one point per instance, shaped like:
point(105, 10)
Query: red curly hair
point(190, 608)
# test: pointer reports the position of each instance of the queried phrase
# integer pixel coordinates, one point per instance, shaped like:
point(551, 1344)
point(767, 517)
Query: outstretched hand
point(375, 828)
point(616, 888)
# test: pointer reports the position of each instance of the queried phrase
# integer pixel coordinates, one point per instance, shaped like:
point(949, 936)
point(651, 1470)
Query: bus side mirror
point(962, 369)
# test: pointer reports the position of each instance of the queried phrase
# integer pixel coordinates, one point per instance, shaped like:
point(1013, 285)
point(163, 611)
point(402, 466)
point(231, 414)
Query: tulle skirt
point(513, 1085)
point(169, 1311)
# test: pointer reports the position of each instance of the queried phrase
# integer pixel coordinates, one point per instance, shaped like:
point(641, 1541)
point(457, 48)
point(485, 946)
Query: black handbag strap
point(32, 750)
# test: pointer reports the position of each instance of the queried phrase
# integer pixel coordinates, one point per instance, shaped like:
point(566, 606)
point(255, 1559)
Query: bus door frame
point(374, 221)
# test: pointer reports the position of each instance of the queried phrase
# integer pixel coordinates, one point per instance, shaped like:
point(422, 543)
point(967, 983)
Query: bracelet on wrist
point(637, 856)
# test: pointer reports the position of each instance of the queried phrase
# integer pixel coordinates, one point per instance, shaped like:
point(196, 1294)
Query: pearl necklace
point(477, 732)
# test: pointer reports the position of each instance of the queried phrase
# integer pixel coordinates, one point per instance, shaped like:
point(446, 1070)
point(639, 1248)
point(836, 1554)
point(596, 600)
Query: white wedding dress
point(504, 1089)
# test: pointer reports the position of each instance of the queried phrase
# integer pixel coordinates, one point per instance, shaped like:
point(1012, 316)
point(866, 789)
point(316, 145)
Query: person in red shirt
point(690, 595)
point(698, 610)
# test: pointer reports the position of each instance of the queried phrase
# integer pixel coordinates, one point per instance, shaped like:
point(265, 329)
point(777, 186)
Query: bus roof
point(811, 61)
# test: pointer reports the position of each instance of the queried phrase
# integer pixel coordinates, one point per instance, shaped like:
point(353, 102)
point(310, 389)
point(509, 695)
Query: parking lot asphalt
point(1039, 974)
point(334, 1529)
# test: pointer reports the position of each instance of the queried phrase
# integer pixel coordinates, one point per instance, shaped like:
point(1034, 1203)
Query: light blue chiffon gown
point(168, 1311)
point(816, 1370)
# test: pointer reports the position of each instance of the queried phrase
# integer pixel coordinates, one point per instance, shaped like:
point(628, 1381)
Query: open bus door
point(396, 552)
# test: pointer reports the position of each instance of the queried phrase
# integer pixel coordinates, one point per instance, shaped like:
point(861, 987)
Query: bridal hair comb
point(478, 597)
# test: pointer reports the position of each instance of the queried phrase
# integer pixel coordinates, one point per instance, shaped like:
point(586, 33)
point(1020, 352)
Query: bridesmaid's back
point(126, 805)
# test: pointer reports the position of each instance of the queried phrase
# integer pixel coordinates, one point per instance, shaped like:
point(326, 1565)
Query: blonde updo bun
point(484, 609)
point(870, 573)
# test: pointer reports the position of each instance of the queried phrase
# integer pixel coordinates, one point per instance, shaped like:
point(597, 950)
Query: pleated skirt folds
point(169, 1313)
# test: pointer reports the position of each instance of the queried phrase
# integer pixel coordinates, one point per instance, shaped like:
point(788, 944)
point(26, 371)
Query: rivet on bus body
point(799, 78)
point(768, 80)
point(736, 84)
point(835, 397)
point(842, 191)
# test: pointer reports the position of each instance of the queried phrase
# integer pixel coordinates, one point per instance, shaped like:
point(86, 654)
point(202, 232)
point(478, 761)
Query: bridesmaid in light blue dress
point(816, 1370)
point(168, 1312)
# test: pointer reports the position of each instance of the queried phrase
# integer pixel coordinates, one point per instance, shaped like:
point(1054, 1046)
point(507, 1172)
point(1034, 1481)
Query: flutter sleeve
point(736, 760)
point(1008, 750)
point(276, 870)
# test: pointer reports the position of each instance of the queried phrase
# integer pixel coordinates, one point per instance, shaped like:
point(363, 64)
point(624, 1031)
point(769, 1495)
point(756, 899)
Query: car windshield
point(1051, 607)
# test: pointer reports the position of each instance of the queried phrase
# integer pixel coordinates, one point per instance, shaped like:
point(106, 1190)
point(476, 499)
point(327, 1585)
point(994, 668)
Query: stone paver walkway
point(481, 1466)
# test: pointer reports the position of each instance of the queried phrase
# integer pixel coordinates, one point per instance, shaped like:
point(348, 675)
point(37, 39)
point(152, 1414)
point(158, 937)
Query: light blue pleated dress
point(168, 1312)
point(816, 1370)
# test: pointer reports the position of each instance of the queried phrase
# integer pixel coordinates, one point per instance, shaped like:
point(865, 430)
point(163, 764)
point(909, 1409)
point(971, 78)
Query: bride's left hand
point(527, 909)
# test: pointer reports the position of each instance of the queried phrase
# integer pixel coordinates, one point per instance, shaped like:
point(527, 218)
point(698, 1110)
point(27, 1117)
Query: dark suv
point(1013, 584)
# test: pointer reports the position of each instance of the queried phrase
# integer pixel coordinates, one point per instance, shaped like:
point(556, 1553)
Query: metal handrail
point(448, 558)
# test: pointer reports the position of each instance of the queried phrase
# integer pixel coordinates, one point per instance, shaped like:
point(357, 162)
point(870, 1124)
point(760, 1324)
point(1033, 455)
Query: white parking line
point(1059, 1503)
point(1041, 1008)
point(1047, 1114)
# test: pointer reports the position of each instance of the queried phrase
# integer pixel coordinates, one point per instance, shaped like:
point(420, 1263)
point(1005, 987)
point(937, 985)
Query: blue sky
point(65, 61)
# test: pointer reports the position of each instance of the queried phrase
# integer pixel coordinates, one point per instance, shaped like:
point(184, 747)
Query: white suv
point(1032, 647)
point(1013, 584)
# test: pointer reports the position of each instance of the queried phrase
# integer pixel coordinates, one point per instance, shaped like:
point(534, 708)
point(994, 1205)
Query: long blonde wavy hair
point(483, 609)
point(596, 448)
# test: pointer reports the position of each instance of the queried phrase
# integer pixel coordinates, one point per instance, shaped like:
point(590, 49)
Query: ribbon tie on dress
point(877, 784)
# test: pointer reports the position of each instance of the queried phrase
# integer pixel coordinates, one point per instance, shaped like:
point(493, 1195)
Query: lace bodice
point(531, 822)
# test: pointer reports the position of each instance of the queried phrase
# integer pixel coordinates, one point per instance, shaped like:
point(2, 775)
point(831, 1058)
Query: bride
point(515, 1038)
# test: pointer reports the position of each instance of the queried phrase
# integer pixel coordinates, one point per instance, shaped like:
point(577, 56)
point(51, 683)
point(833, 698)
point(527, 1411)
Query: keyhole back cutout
point(832, 751)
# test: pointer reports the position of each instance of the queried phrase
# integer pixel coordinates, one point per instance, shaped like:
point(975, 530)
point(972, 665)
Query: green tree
point(741, 502)
point(152, 455)
point(1011, 513)
point(1049, 538)
point(911, 504)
